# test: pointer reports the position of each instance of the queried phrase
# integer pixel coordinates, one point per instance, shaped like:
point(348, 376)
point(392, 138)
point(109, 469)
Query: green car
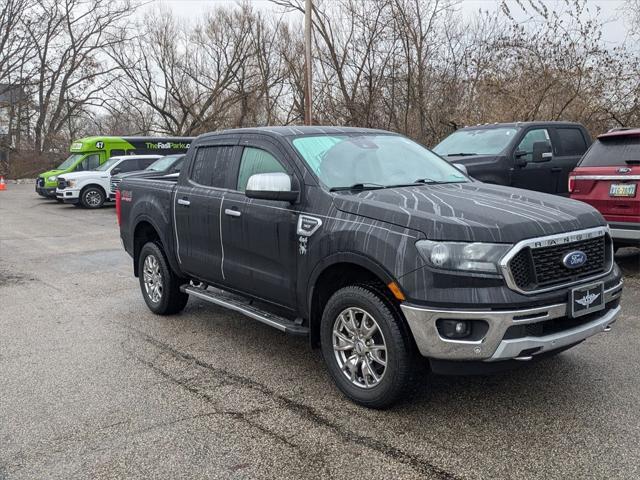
point(91, 152)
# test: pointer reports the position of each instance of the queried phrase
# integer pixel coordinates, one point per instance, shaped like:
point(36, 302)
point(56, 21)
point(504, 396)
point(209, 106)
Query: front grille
point(62, 183)
point(536, 268)
point(114, 184)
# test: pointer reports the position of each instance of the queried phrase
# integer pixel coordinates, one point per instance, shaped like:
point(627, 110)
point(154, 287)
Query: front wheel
point(160, 286)
point(92, 197)
point(367, 347)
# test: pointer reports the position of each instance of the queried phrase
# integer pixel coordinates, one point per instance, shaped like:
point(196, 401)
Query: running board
point(242, 305)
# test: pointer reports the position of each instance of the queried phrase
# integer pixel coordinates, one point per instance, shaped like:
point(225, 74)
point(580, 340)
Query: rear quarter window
point(612, 152)
point(211, 164)
point(571, 141)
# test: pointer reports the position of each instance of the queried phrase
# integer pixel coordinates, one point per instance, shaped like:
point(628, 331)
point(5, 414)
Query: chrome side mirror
point(271, 186)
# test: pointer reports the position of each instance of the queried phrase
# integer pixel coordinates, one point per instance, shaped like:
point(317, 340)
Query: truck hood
point(84, 175)
point(471, 211)
point(45, 175)
point(471, 161)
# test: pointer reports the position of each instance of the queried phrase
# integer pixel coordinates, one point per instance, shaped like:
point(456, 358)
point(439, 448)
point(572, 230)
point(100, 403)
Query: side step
point(244, 306)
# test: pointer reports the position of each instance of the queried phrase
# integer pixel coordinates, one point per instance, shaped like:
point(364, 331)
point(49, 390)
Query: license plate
point(622, 190)
point(586, 300)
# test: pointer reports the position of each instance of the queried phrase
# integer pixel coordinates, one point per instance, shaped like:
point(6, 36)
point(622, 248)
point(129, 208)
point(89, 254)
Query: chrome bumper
point(620, 231)
point(493, 346)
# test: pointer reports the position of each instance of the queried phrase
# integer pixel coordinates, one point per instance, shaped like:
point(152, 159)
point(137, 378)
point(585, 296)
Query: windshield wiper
point(429, 181)
point(358, 186)
point(632, 162)
point(463, 154)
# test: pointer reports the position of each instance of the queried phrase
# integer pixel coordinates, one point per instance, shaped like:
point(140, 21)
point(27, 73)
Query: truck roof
point(298, 130)
point(622, 132)
point(536, 123)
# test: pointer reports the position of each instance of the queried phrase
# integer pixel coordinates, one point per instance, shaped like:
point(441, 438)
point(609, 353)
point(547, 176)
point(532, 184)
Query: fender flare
point(342, 257)
point(168, 246)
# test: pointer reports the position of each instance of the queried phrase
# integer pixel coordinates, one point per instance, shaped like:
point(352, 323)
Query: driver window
point(89, 163)
point(531, 137)
point(255, 160)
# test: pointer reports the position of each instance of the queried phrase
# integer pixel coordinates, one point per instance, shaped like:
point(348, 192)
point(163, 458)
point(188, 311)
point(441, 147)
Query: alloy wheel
point(152, 277)
point(359, 347)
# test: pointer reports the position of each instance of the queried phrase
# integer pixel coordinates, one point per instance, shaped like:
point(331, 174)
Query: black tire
point(92, 197)
point(171, 299)
point(400, 356)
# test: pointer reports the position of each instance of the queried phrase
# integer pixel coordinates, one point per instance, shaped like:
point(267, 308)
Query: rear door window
point(613, 152)
point(571, 142)
point(211, 166)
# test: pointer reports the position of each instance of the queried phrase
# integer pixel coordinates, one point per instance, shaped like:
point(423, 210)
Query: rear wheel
point(92, 197)
point(160, 286)
point(367, 347)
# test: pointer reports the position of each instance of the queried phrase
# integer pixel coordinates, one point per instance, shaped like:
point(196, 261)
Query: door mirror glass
point(270, 186)
point(541, 152)
point(115, 171)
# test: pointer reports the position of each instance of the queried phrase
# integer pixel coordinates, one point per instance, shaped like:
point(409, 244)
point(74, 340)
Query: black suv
point(375, 249)
point(531, 155)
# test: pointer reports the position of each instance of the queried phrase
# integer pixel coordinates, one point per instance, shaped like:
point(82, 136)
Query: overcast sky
point(612, 11)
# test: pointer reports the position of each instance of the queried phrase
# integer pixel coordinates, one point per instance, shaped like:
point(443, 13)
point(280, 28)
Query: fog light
point(454, 328)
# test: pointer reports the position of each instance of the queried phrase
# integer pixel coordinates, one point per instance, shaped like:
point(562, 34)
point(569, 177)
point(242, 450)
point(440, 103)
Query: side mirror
point(115, 171)
point(271, 186)
point(462, 168)
point(541, 152)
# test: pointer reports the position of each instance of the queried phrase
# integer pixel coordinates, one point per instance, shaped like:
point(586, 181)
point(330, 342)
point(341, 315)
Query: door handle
point(556, 169)
point(231, 212)
point(184, 201)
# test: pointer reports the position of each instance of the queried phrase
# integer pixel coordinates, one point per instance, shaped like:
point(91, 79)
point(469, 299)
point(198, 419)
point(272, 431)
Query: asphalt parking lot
point(92, 385)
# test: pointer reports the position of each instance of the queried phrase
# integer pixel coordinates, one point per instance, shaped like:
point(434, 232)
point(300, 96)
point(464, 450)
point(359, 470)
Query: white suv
point(90, 189)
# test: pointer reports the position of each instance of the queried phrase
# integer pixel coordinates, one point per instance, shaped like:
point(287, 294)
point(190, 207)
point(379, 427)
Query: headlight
point(468, 257)
point(71, 183)
point(52, 178)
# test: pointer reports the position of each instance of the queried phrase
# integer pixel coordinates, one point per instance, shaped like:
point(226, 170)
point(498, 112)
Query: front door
point(526, 173)
point(259, 236)
point(197, 202)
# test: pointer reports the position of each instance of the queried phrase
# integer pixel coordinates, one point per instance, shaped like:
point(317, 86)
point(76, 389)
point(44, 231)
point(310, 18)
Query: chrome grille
point(537, 265)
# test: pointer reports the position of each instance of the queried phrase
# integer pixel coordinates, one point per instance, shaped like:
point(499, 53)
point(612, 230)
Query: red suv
point(607, 178)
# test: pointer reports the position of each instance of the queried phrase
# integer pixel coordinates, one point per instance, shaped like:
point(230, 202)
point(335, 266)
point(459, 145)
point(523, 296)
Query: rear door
point(197, 202)
point(569, 145)
point(533, 176)
point(608, 177)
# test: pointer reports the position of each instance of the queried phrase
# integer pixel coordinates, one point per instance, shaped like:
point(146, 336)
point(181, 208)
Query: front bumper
point(625, 231)
point(48, 192)
point(494, 346)
point(68, 195)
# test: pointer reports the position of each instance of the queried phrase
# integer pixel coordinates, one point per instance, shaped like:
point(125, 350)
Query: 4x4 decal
point(307, 226)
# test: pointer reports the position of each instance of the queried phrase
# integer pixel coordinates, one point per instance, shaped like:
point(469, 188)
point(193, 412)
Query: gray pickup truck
point(375, 249)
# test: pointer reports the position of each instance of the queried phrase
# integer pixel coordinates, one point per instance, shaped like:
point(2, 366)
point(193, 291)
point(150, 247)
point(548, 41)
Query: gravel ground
point(92, 385)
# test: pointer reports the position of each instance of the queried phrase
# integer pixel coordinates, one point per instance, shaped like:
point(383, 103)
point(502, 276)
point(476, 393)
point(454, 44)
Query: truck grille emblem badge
point(574, 259)
point(588, 299)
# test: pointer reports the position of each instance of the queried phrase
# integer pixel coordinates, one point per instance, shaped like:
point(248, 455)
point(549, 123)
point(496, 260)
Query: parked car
point(89, 189)
point(531, 155)
point(374, 248)
point(91, 152)
point(607, 178)
point(167, 165)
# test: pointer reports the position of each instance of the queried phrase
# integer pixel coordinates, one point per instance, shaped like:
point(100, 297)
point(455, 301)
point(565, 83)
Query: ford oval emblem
point(575, 259)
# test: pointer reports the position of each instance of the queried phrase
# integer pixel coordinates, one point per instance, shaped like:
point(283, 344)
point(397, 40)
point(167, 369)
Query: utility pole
point(308, 119)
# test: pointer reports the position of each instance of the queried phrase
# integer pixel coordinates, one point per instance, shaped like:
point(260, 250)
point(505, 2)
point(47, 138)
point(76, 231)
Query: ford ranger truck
point(375, 249)
point(532, 155)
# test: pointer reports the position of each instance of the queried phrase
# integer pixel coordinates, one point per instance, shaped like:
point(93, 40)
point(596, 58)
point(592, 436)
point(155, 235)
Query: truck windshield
point(480, 141)
point(613, 152)
point(380, 160)
point(70, 161)
point(108, 164)
point(163, 163)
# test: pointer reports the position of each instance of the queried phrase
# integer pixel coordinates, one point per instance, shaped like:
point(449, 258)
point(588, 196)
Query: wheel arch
point(337, 271)
point(146, 230)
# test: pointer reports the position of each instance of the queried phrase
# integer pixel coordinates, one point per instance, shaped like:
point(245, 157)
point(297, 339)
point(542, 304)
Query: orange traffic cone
point(3, 186)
